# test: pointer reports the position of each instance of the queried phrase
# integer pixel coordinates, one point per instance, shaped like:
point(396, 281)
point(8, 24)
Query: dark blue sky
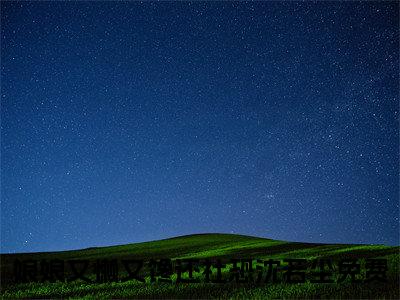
point(128, 122)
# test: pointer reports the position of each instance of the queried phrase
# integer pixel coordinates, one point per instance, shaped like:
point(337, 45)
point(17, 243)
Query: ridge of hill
point(206, 246)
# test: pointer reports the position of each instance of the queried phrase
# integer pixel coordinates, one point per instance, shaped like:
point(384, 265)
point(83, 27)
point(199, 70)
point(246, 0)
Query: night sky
point(129, 122)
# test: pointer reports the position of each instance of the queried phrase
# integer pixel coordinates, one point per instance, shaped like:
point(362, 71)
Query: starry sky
point(128, 122)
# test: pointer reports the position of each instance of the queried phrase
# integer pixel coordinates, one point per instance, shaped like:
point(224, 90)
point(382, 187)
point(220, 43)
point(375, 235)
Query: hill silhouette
point(206, 246)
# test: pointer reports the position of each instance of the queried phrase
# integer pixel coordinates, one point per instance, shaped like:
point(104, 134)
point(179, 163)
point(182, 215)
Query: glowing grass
point(209, 246)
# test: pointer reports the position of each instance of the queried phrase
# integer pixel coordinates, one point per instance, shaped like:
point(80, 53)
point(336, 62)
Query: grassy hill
point(209, 246)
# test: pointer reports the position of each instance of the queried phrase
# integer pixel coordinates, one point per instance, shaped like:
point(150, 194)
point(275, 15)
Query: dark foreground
point(356, 271)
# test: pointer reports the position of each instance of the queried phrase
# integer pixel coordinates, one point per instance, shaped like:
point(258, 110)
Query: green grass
point(202, 246)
